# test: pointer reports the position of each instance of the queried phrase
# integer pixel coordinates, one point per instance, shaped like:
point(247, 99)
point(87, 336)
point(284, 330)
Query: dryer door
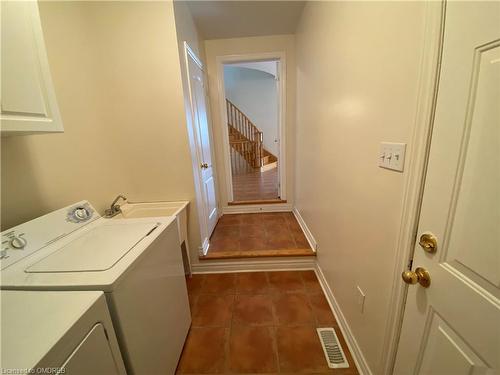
point(92, 356)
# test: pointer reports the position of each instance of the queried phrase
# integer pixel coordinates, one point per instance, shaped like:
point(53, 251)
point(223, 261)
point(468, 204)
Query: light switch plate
point(392, 156)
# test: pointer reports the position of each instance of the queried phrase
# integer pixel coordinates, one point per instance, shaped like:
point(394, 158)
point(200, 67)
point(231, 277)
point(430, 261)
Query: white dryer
point(137, 263)
point(58, 332)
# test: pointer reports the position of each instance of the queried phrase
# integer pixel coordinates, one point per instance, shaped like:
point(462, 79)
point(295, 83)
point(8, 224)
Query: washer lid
point(97, 249)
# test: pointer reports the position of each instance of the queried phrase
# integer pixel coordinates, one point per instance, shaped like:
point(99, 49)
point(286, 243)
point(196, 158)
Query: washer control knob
point(18, 242)
point(81, 213)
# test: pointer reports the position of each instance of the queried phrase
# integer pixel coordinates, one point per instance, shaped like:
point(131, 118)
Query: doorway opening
point(253, 105)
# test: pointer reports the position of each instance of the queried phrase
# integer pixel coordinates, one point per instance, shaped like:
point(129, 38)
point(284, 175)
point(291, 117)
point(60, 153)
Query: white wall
point(357, 79)
point(116, 72)
point(255, 93)
point(235, 46)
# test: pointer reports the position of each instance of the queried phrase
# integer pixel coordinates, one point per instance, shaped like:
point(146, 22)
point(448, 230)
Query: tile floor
point(255, 185)
point(253, 235)
point(258, 323)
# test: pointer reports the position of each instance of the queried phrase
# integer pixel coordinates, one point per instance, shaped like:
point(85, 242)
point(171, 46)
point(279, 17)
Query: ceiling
point(235, 19)
point(268, 67)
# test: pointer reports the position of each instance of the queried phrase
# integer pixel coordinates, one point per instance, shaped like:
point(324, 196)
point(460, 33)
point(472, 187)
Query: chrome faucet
point(115, 207)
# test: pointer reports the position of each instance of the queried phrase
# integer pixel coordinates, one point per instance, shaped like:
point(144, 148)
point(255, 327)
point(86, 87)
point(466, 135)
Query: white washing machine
point(58, 332)
point(135, 262)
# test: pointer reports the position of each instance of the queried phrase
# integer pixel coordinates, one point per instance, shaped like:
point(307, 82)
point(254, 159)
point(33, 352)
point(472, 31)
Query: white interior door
point(202, 144)
point(453, 326)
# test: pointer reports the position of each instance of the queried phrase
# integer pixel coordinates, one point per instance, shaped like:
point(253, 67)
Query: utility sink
point(151, 209)
point(178, 209)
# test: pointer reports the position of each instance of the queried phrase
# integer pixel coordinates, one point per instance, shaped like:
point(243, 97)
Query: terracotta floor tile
point(252, 230)
point(192, 302)
point(235, 236)
point(267, 321)
point(301, 240)
point(224, 244)
point(213, 310)
point(227, 231)
point(252, 283)
point(229, 220)
point(310, 281)
point(293, 309)
point(247, 219)
point(299, 350)
point(285, 281)
point(322, 311)
point(284, 242)
point(293, 224)
point(194, 283)
point(273, 219)
point(253, 310)
point(251, 350)
point(219, 283)
point(287, 215)
point(277, 230)
point(253, 243)
point(204, 351)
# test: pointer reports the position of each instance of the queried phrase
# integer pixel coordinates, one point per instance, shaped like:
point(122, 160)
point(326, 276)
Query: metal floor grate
point(331, 347)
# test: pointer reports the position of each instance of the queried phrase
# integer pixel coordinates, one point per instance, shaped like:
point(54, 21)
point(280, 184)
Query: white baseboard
point(254, 208)
point(354, 348)
point(203, 249)
point(305, 229)
point(287, 264)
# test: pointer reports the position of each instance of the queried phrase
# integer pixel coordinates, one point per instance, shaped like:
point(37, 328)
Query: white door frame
point(415, 176)
point(224, 59)
point(195, 155)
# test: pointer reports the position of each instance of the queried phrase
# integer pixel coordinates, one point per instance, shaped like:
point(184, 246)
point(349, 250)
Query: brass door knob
point(421, 276)
point(428, 242)
point(204, 166)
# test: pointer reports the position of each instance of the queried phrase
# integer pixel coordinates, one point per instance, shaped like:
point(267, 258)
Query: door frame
point(195, 155)
point(252, 57)
point(430, 65)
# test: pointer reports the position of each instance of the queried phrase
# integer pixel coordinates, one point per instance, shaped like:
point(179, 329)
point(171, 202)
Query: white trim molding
point(275, 264)
point(203, 249)
point(221, 95)
point(415, 176)
point(354, 348)
point(305, 229)
point(254, 208)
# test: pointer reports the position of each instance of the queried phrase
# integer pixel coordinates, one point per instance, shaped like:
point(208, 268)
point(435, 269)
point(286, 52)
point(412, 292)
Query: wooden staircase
point(246, 143)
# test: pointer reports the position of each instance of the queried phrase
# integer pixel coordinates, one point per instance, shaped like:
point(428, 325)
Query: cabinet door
point(28, 101)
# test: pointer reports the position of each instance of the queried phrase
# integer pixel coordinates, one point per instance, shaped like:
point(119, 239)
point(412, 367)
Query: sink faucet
point(115, 207)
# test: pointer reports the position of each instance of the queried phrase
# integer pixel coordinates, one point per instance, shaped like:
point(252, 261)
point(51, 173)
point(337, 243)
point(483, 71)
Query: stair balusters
point(245, 139)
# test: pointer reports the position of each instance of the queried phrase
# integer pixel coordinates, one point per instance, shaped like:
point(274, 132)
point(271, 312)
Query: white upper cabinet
point(28, 100)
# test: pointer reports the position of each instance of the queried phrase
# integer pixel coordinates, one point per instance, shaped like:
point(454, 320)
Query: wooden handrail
point(247, 140)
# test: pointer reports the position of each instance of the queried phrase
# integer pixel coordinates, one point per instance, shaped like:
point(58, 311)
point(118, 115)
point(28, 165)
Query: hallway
point(258, 322)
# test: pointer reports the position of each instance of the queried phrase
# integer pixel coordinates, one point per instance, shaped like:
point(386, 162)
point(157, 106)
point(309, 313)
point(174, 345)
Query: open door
point(201, 140)
point(252, 94)
point(451, 322)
